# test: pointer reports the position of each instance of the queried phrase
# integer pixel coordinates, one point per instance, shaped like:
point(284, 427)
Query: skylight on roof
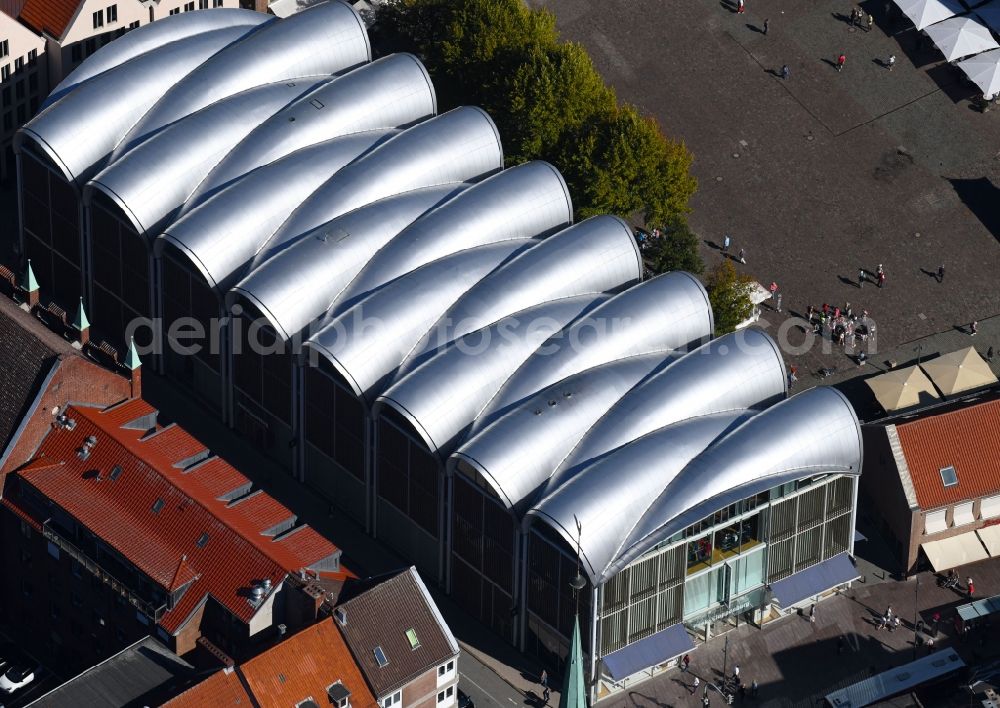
point(158, 506)
point(380, 657)
point(948, 476)
point(202, 540)
point(411, 635)
point(116, 472)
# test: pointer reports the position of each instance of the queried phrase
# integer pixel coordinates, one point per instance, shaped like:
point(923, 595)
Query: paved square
point(824, 173)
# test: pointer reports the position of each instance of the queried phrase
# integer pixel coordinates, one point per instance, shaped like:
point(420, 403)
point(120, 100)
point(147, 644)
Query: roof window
point(411, 636)
point(202, 540)
point(158, 506)
point(948, 476)
point(380, 657)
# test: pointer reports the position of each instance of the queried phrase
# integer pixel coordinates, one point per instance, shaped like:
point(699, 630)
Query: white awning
point(927, 12)
point(962, 514)
point(989, 507)
point(955, 551)
point(961, 37)
point(990, 536)
point(935, 521)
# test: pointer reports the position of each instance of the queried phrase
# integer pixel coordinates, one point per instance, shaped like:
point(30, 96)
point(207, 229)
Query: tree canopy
point(729, 293)
point(548, 101)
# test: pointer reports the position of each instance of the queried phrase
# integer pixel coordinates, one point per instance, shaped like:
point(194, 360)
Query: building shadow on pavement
point(981, 196)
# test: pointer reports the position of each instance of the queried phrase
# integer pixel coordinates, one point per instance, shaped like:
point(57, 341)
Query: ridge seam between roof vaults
point(208, 510)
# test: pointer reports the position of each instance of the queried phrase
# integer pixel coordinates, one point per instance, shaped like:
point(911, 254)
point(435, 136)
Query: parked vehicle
point(464, 701)
point(16, 669)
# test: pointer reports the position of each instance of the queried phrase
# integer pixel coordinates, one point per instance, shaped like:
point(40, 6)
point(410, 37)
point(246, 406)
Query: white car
point(16, 674)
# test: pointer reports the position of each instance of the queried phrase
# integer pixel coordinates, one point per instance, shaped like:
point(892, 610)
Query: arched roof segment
point(321, 40)
point(367, 343)
point(596, 255)
point(151, 37)
point(392, 92)
point(444, 394)
point(815, 432)
point(737, 371)
point(151, 182)
point(519, 450)
point(611, 495)
point(299, 283)
point(223, 234)
point(528, 200)
point(669, 312)
point(460, 146)
point(80, 130)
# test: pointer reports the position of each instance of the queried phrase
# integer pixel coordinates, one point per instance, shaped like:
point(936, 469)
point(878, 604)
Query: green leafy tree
point(547, 100)
point(729, 293)
point(677, 249)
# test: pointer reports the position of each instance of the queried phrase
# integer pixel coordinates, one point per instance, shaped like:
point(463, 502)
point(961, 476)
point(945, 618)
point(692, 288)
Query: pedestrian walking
point(861, 277)
point(888, 611)
point(881, 278)
point(785, 73)
point(743, 256)
point(812, 613)
point(940, 274)
point(740, 7)
point(736, 673)
point(792, 376)
point(860, 16)
point(545, 695)
point(841, 60)
point(972, 588)
point(871, 22)
point(695, 684)
point(753, 688)
point(685, 662)
point(544, 679)
point(989, 354)
point(725, 243)
point(973, 328)
point(890, 62)
point(854, 16)
point(766, 21)
point(778, 303)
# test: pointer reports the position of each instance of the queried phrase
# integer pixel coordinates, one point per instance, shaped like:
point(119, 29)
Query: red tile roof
point(155, 514)
point(52, 16)
point(305, 665)
point(219, 690)
point(967, 439)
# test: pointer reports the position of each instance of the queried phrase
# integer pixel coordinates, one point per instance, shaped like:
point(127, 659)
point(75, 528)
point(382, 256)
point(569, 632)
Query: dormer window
point(339, 695)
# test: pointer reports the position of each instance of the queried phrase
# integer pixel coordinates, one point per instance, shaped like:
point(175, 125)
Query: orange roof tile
point(52, 16)
point(967, 439)
point(167, 522)
point(219, 690)
point(305, 665)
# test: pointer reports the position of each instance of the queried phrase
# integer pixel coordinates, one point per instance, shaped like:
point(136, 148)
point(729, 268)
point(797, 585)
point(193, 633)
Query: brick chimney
point(134, 365)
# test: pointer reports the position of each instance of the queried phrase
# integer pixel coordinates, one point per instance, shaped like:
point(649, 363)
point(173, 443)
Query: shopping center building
point(429, 341)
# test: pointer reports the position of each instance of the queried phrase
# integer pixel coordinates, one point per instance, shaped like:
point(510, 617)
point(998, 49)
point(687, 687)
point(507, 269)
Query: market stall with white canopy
point(984, 71)
point(926, 12)
point(961, 37)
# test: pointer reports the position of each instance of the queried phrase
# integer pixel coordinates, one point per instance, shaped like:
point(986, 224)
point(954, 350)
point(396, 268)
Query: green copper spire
point(80, 322)
point(132, 361)
point(574, 693)
point(30, 284)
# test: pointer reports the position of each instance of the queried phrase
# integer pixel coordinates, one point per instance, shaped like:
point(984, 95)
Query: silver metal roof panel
point(223, 234)
point(444, 394)
point(460, 146)
point(321, 40)
point(367, 343)
point(299, 283)
point(528, 200)
point(393, 92)
point(153, 180)
point(80, 130)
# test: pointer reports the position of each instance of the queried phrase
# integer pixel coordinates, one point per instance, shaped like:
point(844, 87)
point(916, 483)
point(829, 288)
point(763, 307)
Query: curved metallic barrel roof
point(596, 255)
point(318, 41)
point(152, 181)
point(368, 342)
point(518, 451)
point(528, 200)
point(223, 234)
point(460, 146)
point(80, 130)
point(740, 370)
point(813, 433)
point(669, 312)
point(611, 495)
point(393, 92)
point(299, 283)
point(151, 37)
point(444, 394)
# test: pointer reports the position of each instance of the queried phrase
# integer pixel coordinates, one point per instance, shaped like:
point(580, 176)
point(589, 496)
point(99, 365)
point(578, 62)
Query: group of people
point(863, 276)
point(860, 18)
point(889, 620)
point(843, 325)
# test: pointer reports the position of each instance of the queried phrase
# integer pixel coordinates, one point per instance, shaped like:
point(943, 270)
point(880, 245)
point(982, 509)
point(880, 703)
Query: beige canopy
point(902, 388)
point(959, 371)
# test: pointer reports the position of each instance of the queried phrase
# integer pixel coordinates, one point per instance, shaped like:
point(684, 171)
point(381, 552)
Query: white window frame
point(395, 699)
point(962, 514)
point(935, 521)
point(989, 507)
